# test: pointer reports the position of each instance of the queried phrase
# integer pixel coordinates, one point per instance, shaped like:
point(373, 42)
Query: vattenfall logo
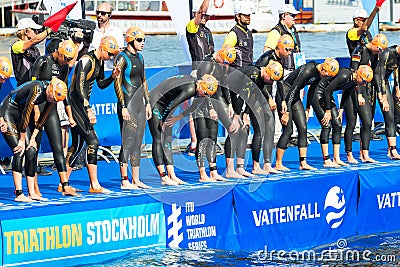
point(335, 207)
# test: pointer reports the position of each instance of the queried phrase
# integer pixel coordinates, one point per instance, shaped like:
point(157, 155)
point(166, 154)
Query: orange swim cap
point(331, 66)
point(109, 44)
point(285, 41)
point(227, 53)
point(59, 88)
point(365, 72)
point(68, 48)
point(209, 84)
point(275, 70)
point(381, 41)
point(5, 67)
point(132, 33)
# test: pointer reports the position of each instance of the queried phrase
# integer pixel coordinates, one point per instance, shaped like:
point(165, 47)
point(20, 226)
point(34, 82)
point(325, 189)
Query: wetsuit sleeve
point(30, 103)
point(83, 67)
point(38, 67)
point(103, 82)
point(304, 74)
point(380, 72)
point(145, 87)
point(310, 95)
point(44, 115)
point(330, 87)
point(225, 90)
point(356, 58)
point(120, 61)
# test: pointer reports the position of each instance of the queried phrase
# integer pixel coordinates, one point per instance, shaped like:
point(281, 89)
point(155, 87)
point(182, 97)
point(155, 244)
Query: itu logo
point(175, 226)
point(335, 207)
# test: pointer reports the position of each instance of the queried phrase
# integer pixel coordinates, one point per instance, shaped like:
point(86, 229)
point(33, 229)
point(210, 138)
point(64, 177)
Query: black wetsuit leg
point(319, 110)
point(390, 127)
point(299, 118)
point(365, 113)
point(350, 111)
point(161, 146)
point(206, 132)
point(336, 124)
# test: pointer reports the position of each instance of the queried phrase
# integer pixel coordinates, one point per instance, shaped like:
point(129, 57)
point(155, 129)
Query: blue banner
point(297, 213)
point(44, 240)
point(379, 204)
point(200, 219)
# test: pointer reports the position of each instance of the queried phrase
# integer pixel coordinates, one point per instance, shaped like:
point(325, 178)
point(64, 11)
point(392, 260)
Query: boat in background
point(153, 16)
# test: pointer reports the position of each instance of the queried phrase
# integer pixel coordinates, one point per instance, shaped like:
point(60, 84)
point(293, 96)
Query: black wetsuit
point(344, 81)
point(248, 84)
point(130, 90)
point(87, 70)
point(207, 129)
point(387, 63)
point(163, 100)
point(306, 74)
point(44, 69)
point(17, 109)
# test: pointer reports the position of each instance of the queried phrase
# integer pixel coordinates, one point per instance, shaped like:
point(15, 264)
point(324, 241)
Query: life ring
point(220, 5)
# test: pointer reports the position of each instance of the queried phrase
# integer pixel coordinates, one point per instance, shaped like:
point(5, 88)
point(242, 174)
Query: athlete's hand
point(340, 114)
point(91, 116)
point(125, 114)
point(397, 94)
point(116, 71)
point(231, 112)
point(284, 107)
point(171, 120)
point(385, 105)
point(213, 114)
point(3, 125)
point(149, 114)
point(20, 148)
point(285, 118)
point(235, 125)
point(272, 103)
point(162, 125)
point(327, 117)
point(37, 113)
point(32, 143)
point(307, 114)
point(361, 100)
point(72, 122)
point(246, 120)
point(380, 97)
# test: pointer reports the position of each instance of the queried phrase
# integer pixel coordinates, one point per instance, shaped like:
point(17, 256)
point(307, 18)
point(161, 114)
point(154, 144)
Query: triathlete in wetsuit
point(89, 68)
point(353, 102)
point(250, 85)
point(20, 132)
point(282, 51)
point(45, 68)
point(327, 113)
point(131, 89)
point(292, 109)
point(368, 55)
point(164, 99)
point(388, 61)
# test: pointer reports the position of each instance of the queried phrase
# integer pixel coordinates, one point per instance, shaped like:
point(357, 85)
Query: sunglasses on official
point(103, 13)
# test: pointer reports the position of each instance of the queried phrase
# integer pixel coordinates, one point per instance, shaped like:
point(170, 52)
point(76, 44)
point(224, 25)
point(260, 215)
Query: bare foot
point(176, 179)
point(369, 160)
point(243, 172)
point(165, 180)
point(393, 154)
point(351, 159)
point(217, 177)
point(259, 171)
point(306, 167)
point(280, 167)
point(126, 185)
point(233, 174)
point(99, 190)
point(70, 191)
point(340, 162)
point(140, 184)
point(23, 198)
point(37, 197)
point(206, 179)
point(37, 192)
point(330, 164)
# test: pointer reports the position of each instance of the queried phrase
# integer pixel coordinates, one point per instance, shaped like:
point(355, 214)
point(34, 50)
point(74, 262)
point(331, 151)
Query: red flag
point(55, 20)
